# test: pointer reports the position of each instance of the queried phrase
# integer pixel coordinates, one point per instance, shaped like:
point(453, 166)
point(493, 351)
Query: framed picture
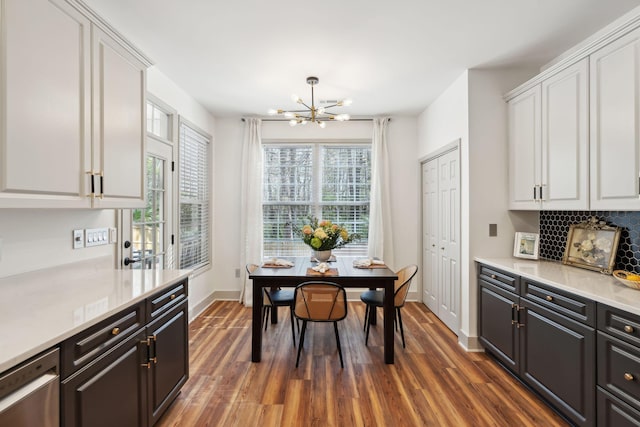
point(592, 245)
point(526, 245)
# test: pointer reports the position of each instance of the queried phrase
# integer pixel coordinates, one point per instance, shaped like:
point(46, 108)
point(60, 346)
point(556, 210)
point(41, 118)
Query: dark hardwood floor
point(433, 382)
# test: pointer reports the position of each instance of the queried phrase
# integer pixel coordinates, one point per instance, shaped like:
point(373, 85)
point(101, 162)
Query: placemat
point(267, 265)
point(371, 266)
point(329, 272)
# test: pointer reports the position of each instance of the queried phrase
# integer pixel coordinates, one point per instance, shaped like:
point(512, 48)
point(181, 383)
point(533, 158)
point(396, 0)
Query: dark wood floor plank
point(433, 382)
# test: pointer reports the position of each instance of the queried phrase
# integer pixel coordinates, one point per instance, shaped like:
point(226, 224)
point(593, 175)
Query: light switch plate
point(78, 239)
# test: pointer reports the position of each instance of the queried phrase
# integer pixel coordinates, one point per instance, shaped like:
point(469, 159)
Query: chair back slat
point(402, 284)
point(320, 302)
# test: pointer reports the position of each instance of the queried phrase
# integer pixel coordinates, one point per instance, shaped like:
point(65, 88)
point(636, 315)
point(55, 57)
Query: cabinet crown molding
point(96, 19)
point(624, 25)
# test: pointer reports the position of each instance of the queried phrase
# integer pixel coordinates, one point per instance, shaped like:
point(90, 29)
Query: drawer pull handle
point(115, 331)
point(173, 296)
point(628, 376)
point(493, 276)
point(549, 298)
point(628, 329)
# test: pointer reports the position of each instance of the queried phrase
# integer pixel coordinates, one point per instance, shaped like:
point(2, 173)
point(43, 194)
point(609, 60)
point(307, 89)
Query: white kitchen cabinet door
point(615, 124)
point(119, 132)
point(525, 150)
point(565, 139)
point(45, 100)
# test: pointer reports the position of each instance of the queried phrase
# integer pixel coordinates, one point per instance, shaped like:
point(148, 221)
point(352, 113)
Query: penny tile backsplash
point(554, 226)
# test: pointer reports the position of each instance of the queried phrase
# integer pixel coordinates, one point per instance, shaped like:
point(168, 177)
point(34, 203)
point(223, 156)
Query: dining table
point(342, 271)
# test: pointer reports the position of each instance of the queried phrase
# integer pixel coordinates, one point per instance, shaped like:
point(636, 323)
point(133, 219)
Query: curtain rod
point(286, 120)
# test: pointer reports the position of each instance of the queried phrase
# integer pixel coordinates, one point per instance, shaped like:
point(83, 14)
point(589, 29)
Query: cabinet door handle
point(493, 276)
point(513, 314)
point(628, 376)
point(173, 296)
point(534, 192)
point(115, 331)
point(549, 298)
point(519, 324)
point(628, 329)
point(540, 192)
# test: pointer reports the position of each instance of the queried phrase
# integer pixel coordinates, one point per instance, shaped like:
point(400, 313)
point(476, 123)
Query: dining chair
point(375, 298)
point(278, 298)
point(318, 301)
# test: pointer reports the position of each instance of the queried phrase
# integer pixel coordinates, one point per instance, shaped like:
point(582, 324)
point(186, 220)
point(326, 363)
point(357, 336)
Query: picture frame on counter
point(526, 245)
point(592, 245)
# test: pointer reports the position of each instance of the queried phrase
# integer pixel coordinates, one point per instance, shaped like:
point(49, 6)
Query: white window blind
point(194, 198)
point(327, 181)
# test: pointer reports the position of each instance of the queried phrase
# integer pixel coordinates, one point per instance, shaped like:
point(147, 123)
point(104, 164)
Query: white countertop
point(589, 284)
point(42, 308)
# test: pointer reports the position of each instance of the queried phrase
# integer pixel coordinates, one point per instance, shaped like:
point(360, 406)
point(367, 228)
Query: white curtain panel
point(380, 231)
point(251, 204)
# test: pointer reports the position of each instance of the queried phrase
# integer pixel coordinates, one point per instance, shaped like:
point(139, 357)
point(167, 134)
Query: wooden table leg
point(388, 322)
point(256, 323)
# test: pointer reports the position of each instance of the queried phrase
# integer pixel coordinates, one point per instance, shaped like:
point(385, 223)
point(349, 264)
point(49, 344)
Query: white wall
point(404, 184)
point(472, 110)
point(33, 239)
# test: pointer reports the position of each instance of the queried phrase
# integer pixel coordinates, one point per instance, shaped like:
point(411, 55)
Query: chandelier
point(319, 115)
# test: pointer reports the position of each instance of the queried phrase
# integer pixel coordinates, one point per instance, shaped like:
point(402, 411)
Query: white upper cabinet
point(45, 98)
point(119, 132)
point(615, 123)
point(72, 99)
point(548, 143)
point(525, 150)
point(565, 139)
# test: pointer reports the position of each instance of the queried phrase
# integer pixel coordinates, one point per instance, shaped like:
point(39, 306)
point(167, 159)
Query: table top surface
point(342, 268)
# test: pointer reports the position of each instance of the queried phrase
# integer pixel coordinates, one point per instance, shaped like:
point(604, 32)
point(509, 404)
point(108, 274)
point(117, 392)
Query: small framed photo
point(592, 245)
point(526, 245)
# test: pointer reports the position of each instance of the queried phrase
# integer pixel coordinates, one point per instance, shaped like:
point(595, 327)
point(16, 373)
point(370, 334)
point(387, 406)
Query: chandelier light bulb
point(293, 122)
point(272, 112)
point(322, 124)
point(303, 122)
point(289, 115)
point(347, 102)
point(321, 110)
point(295, 98)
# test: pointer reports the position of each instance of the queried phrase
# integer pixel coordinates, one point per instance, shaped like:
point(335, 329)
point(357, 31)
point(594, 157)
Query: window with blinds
point(194, 198)
point(328, 181)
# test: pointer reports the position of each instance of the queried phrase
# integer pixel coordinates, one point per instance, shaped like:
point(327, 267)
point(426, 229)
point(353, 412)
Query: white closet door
point(430, 234)
point(441, 237)
point(449, 239)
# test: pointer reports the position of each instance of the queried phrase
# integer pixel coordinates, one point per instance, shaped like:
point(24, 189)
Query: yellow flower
point(344, 234)
point(320, 234)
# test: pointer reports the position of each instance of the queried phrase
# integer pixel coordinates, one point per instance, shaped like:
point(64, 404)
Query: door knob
point(127, 244)
point(128, 260)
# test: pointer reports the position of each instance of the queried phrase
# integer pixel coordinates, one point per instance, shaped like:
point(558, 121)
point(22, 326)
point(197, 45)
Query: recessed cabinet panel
point(46, 98)
point(615, 117)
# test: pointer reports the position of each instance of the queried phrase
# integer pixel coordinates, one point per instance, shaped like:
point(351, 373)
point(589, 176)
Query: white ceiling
point(242, 57)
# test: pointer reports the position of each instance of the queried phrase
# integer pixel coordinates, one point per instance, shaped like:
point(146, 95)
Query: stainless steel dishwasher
point(30, 393)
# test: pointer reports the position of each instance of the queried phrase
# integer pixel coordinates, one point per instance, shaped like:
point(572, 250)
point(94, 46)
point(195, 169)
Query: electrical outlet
point(78, 239)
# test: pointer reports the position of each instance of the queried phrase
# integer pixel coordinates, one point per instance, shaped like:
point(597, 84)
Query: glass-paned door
point(146, 233)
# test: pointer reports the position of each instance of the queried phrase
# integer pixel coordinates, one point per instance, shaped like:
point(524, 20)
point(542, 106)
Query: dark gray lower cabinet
point(544, 336)
point(130, 382)
point(618, 367)
point(110, 391)
point(558, 361)
point(169, 369)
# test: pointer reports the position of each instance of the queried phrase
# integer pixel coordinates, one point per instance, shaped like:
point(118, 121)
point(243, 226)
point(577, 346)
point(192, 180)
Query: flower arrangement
point(323, 235)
